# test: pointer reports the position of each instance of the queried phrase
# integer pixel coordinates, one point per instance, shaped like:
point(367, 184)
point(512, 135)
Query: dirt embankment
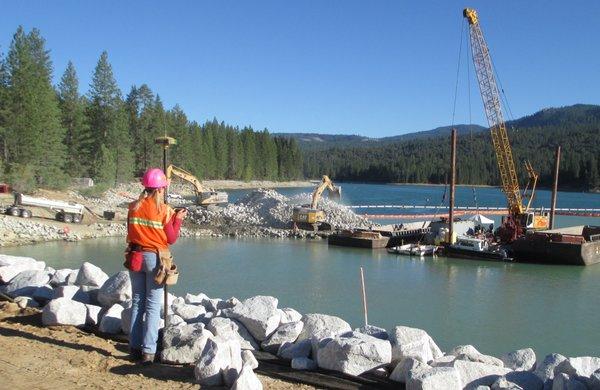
point(34, 357)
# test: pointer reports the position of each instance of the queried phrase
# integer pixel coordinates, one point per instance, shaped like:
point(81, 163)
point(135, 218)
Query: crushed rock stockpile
point(267, 212)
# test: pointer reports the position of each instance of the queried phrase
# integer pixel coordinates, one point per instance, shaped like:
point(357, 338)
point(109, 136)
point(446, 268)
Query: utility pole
point(554, 186)
point(452, 185)
point(165, 142)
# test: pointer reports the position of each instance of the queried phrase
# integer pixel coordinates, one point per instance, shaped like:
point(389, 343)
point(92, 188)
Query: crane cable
point(471, 126)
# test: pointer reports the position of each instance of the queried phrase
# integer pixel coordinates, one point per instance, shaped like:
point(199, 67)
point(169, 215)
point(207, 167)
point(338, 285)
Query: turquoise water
point(497, 307)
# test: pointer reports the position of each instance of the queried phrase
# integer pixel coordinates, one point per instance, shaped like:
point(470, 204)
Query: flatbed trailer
point(69, 212)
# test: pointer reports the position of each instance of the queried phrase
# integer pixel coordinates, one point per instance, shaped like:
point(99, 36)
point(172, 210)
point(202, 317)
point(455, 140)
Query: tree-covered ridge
point(48, 134)
point(427, 160)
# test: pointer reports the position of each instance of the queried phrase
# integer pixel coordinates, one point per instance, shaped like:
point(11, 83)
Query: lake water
point(498, 307)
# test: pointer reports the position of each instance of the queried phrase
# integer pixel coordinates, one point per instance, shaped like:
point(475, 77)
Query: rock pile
point(268, 213)
point(218, 336)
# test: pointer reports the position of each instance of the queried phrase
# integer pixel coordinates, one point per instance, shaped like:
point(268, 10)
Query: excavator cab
point(310, 217)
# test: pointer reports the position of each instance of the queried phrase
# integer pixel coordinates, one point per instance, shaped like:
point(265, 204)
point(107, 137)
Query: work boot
point(135, 354)
point(147, 358)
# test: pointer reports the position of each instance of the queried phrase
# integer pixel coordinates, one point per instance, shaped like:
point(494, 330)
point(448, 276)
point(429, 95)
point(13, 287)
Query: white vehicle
point(68, 212)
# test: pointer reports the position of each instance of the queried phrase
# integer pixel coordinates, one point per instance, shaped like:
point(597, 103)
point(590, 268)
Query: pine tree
point(78, 140)
point(109, 125)
point(34, 133)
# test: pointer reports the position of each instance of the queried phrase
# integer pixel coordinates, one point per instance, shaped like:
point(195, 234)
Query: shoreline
point(255, 184)
point(74, 302)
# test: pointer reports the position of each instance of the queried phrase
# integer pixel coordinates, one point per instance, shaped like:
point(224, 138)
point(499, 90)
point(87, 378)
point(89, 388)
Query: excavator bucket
point(335, 193)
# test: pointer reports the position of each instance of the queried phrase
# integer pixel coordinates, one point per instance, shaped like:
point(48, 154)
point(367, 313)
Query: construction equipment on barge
point(310, 217)
point(68, 212)
point(520, 218)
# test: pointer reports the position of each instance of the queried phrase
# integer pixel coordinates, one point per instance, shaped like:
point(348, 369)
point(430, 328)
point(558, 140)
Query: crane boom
point(493, 111)
point(519, 219)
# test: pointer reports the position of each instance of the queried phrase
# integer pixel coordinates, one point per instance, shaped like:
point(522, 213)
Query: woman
point(151, 226)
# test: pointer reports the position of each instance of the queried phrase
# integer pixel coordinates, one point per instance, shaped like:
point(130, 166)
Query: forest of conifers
point(426, 160)
point(49, 134)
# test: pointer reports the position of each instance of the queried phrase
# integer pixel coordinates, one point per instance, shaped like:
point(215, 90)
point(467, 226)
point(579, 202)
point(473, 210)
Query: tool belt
point(167, 272)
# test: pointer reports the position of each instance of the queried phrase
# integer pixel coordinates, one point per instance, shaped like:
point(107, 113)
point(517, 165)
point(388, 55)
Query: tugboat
point(475, 249)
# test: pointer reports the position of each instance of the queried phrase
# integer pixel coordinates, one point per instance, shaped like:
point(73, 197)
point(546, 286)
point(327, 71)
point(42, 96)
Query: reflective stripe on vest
point(146, 222)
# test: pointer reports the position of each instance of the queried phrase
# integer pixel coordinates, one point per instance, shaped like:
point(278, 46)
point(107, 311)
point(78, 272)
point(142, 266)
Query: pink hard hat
point(154, 178)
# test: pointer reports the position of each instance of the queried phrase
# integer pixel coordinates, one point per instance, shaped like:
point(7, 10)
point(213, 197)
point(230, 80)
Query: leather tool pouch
point(167, 273)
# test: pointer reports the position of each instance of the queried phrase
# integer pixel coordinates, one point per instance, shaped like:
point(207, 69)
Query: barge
point(576, 245)
point(358, 239)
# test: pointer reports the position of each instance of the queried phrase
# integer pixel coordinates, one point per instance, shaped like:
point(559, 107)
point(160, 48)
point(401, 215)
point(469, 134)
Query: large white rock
point(579, 366)
point(189, 313)
point(320, 326)
point(228, 328)
point(116, 289)
point(545, 369)
point(286, 333)
point(299, 349)
point(192, 299)
point(374, 331)
point(435, 378)
point(413, 342)
point(258, 314)
point(473, 374)
point(63, 311)
point(12, 260)
point(175, 320)
point(519, 360)
point(519, 379)
point(111, 320)
point(26, 283)
point(60, 277)
point(563, 381)
point(20, 264)
point(470, 353)
point(247, 380)
point(184, 343)
point(354, 353)
point(406, 368)
point(93, 314)
point(71, 292)
point(248, 359)
point(126, 320)
point(289, 315)
point(90, 275)
point(220, 362)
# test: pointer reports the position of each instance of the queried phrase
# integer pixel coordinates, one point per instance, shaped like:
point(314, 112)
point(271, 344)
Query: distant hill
point(316, 141)
point(422, 157)
point(577, 114)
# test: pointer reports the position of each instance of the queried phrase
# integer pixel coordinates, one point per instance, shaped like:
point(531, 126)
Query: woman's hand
point(181, 213)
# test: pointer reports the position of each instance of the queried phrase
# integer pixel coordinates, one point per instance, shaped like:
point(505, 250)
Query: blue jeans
point(147, 298)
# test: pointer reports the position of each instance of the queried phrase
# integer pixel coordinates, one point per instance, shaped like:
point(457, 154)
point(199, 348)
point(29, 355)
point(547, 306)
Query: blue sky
point(375, 68)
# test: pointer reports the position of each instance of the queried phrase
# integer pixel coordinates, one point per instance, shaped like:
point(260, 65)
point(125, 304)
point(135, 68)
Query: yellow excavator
point(520, 217)
point(310, 217)
point(204, 196)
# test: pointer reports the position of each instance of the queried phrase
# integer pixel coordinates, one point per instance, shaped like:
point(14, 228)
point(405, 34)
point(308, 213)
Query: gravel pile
point(268, 213)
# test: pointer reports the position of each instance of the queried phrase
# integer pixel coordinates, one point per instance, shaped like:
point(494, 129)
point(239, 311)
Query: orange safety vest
point(145, 226)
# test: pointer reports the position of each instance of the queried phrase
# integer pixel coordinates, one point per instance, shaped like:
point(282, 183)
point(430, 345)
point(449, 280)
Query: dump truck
point(69, 212)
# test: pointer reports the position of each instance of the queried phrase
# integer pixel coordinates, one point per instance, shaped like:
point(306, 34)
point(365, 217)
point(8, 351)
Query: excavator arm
point(326, 183)
point(185, 175)
point(204, 196)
